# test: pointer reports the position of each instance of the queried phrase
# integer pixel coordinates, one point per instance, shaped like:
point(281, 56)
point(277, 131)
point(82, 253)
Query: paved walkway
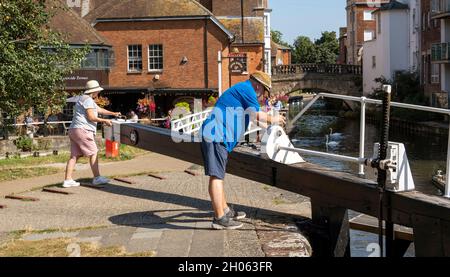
point(171, 217)
point(146, 163)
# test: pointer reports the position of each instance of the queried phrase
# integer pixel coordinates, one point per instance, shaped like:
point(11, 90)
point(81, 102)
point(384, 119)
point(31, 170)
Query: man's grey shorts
point(215, 158)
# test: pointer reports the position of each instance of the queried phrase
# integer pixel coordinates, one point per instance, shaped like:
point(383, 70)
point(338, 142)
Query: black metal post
point(384, 143)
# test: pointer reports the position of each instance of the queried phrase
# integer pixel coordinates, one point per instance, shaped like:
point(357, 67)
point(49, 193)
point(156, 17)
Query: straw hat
point(92, 86)
point(263, 78)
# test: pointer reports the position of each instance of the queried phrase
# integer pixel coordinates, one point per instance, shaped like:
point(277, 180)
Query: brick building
point(168, 49)
point(281, 55)
point(249, 21)
point(435, 75)
point(77, 33)
point(342, 59)
point(361, 26)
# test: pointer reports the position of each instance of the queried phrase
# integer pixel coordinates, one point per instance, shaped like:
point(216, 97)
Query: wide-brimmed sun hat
point(92, 86)
point(263, 78)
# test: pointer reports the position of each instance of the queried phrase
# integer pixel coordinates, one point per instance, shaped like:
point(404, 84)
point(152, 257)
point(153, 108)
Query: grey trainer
point(235, 215)
point(226, 223)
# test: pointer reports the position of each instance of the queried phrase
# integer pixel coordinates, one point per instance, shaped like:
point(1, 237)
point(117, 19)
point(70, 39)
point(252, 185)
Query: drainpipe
point(205, 53)
point(242, 20)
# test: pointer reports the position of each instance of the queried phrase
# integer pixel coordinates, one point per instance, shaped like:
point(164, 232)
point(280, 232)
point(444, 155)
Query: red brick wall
point(354, 43)
point(255, 55)
point(286, 57)
point(179, 39)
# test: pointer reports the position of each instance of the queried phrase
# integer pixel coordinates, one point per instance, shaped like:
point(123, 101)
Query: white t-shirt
point(80, 119)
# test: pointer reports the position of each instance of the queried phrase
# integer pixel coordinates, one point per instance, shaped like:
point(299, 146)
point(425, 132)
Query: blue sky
point(307, 17)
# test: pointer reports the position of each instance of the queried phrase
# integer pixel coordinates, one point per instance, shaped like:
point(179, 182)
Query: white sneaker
point(70, 183)
point(100, 180)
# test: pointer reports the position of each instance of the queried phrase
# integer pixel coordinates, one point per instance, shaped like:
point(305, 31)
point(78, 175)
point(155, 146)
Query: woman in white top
point(82, 133)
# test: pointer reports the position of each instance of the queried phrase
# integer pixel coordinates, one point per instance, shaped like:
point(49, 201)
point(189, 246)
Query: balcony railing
point(440, 8)
point(317, 68)
point(440, 52)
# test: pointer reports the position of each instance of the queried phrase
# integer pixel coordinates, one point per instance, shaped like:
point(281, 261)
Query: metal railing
point(317, 68)
point(190, 124)
point(364, 101)
point(33, 128)
point(439, 7)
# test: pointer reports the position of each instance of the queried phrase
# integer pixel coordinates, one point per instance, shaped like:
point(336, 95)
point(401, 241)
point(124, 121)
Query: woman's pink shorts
point(82, 143)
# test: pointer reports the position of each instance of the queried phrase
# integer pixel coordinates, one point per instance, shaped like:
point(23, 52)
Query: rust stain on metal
point(51, 190)
point(124, 180)
point(22, 198)
point(191, 172)
point(156, 176)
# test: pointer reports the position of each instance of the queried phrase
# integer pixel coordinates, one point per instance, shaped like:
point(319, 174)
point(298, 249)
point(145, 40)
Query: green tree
point(33, 59)
point(323, 50)
point(277, 37)
point(304, 50)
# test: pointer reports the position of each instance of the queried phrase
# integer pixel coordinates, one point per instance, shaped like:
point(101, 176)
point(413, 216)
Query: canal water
point(426, 154)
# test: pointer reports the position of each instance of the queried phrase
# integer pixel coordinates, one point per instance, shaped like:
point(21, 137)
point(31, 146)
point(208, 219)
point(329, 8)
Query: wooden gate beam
point(336, 189)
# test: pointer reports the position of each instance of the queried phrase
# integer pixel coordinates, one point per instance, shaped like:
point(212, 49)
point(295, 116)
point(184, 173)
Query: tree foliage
point(33, 59)
point(277, 37)
point(323, 50)
point(405, 89)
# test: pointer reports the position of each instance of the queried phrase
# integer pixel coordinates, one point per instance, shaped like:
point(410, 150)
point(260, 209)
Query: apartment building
point(361, 27)
point(396, 45)
point(436, 75)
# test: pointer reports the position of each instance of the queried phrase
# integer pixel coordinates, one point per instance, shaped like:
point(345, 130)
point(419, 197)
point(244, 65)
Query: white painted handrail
point(364, 101)
point(190, 124)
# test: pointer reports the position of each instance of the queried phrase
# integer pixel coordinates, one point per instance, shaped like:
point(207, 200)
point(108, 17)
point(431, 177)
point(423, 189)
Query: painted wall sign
point(238, 63)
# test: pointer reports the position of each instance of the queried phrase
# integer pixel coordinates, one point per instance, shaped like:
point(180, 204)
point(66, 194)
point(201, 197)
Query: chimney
point(85, 7)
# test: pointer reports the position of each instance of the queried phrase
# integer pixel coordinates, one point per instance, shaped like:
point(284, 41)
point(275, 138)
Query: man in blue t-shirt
point(221, 133)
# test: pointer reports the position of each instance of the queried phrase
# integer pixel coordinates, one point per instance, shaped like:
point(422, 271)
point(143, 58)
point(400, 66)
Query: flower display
point(283, 98)
point(146, 106)
point(102, 101)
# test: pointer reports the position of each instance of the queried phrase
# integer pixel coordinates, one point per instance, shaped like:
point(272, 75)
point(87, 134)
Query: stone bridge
point(331, 78)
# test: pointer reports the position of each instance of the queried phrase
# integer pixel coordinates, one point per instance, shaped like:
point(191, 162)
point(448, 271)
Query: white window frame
point(372, 35)
point(367, 12)
point(150, 69)
point(435, 73)
point(138, 59)
point(267, 57)
point(266, 25)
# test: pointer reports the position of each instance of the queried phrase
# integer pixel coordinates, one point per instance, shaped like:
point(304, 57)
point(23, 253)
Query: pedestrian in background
point(82, 133)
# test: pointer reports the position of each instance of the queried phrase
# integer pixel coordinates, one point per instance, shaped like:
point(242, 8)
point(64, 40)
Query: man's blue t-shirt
point(231, 115)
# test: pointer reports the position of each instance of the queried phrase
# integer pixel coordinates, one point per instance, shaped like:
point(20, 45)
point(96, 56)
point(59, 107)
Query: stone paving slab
point(171, 217)
point(208, 243)
point(174, 243)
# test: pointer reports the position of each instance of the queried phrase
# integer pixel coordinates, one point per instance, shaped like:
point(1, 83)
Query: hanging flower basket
point(146, 107)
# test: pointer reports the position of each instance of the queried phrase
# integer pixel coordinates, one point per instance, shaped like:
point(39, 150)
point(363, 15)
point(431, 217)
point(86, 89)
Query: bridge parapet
point(316, 68)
